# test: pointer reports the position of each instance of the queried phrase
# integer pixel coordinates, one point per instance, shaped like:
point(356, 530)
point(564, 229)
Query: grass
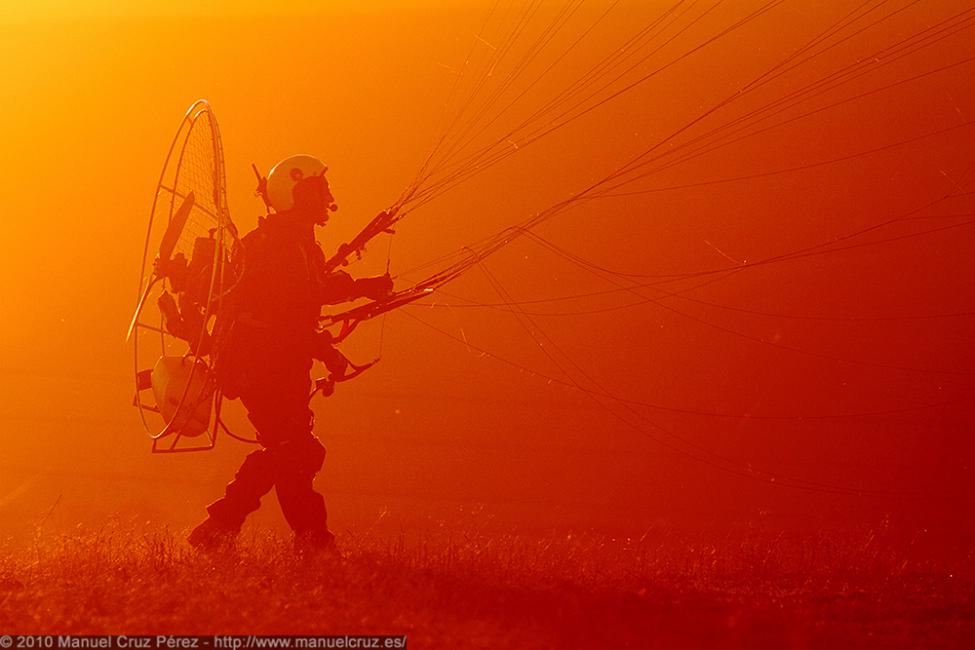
point(468, 589)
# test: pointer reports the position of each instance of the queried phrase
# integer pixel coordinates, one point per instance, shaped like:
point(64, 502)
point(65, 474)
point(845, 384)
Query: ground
point(467, 589)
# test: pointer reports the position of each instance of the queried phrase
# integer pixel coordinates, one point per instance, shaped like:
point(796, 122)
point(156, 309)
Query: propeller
point(177, 221)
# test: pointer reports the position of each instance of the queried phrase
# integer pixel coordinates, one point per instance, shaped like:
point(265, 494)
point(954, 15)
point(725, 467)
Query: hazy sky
point(742, 368)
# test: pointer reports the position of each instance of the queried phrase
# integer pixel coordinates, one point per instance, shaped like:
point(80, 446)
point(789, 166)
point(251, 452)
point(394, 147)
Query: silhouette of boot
point(317, 544)
point(212, 535)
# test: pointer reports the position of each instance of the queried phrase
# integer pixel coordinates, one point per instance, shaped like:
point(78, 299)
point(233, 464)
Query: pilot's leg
point(254, 479)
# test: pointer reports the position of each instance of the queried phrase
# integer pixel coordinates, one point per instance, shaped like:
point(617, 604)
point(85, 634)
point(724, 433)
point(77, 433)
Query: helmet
point(286, 174)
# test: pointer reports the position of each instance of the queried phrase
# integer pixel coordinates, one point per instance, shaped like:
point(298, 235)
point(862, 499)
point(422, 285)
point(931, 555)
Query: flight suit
point(266, 360)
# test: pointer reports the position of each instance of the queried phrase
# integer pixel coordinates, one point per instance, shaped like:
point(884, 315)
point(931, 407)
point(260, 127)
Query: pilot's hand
point(375, 288)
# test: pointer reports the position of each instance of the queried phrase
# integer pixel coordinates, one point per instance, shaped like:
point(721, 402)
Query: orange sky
point(94, 95)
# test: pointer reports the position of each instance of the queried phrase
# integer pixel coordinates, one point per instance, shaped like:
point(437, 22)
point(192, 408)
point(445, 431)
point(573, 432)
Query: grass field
point(467, 589)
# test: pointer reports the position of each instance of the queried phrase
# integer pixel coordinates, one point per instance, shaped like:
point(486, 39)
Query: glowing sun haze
point(95, 90)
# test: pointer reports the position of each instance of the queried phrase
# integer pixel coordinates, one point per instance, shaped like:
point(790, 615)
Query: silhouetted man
point(267, 356)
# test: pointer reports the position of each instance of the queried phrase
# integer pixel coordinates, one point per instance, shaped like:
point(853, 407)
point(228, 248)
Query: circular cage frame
point(169, 437)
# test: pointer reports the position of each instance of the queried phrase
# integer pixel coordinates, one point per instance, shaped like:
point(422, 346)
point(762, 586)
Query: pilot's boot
point(213, 535)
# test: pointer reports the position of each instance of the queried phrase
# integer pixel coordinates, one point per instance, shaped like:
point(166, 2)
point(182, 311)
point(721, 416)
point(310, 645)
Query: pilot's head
point(297, 186)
